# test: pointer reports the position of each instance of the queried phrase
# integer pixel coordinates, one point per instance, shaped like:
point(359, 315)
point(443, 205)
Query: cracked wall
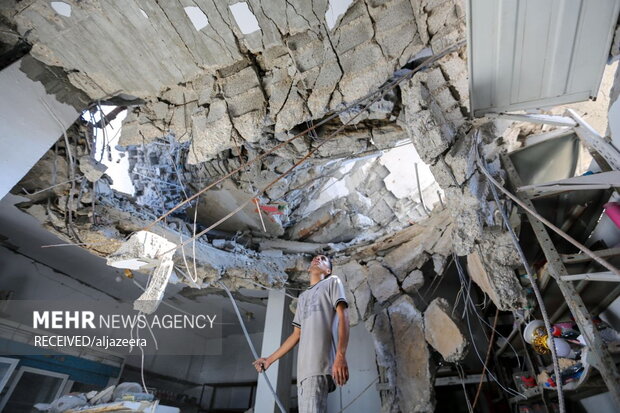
point(214, 98)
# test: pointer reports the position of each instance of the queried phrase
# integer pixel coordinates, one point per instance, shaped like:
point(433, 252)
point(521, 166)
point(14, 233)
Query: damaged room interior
point(171, 170)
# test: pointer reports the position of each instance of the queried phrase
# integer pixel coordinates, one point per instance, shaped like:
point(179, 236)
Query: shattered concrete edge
point(443, 332)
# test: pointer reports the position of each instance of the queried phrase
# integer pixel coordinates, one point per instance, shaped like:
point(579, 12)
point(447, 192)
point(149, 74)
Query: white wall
point(29, 124)
point(362, 371)
point(601, 403)
point(30, 280)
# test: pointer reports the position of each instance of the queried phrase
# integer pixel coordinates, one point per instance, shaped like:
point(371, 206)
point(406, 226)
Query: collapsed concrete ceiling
point(216, 99)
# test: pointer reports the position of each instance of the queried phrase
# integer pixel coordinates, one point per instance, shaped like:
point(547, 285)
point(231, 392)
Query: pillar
point(278, 327)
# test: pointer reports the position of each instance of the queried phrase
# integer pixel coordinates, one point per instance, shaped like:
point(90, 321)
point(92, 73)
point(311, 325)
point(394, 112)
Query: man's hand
point(261, 364)
point(340, 370)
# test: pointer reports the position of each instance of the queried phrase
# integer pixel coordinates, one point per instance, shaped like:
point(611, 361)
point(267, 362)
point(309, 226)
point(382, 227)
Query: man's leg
point(312, 394)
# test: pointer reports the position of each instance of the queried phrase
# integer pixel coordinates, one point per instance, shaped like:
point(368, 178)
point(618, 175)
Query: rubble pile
point(126, 397)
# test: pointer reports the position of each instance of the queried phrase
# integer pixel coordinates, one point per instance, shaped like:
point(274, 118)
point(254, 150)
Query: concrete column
point(30, 122)
point(277, 329)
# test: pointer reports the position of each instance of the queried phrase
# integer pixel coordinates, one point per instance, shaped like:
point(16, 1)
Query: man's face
point(322, 263)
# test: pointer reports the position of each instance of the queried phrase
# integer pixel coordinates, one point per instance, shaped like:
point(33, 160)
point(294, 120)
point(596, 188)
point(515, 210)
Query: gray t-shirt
point(316, 317)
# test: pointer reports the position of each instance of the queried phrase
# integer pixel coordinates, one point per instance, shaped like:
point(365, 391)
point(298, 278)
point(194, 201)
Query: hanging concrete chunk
point(91, 169)
point(414, 281)
point(382, 282)
point(403, 356)
point(442, 332)
point(491, 267)
point(142, 250)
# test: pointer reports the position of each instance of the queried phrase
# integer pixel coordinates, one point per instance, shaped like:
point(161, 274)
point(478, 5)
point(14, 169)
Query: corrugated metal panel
point(526, 54)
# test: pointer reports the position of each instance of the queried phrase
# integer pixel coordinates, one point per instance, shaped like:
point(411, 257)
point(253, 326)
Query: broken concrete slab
point(413, 282)
point(212, 132)
point(91, 169)
point(352, 272)
point(442, 331)
point(461, 158)
point(491, 266)
point(382, 282)
point(414, 376)
point(406, 257)
point(403, 356)
point(363, 300)
point(142, 250)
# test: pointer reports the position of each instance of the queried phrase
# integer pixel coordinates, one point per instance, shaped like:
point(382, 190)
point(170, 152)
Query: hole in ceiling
point(336, 9)
point(244, 17)
point(61, 8)
point(146, 16)
point(106, 151)
point(197, 16)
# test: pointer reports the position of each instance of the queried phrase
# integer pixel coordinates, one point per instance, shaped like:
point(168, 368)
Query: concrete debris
point(442, 331)
point(382, 282)
point(492, 265)
point(91, 169)
point(352, 273)
point(413, 282)
point(363, 301)
point(439, 263)
point(461, 158)
point(405, 258)
point(429, 237)
point(153, 294)
point(465, 210)
point(154, 172)
point(141, 251)
point(403, 358)
point(48, 172)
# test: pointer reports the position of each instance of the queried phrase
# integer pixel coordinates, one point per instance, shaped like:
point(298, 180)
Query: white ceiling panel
point(527, 54)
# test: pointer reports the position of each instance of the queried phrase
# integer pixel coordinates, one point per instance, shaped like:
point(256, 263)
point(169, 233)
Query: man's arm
point(263, 364)
point(340, 370)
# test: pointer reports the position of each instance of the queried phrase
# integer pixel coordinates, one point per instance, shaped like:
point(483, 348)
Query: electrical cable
point(481, 321)
point(530, 274)
point(547, 223)
point(141, 352)
point(468, 299)
point(486, 361)
point(249, 340)
point(461, 373)
point(380, 91)
point(267, 187)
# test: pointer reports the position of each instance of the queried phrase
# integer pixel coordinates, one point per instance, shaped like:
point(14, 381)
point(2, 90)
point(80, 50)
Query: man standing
point(321, 327)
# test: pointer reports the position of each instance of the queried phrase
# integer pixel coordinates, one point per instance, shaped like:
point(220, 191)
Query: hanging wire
point(468, 299)
point(486, 360)
point(461, 374)
point(379, 92)
point(249, 340)
point(482, 321)
point(375, 95)
point(530, 275)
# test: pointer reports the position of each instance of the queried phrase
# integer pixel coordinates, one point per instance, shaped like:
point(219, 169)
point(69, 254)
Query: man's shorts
point(312, 393)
